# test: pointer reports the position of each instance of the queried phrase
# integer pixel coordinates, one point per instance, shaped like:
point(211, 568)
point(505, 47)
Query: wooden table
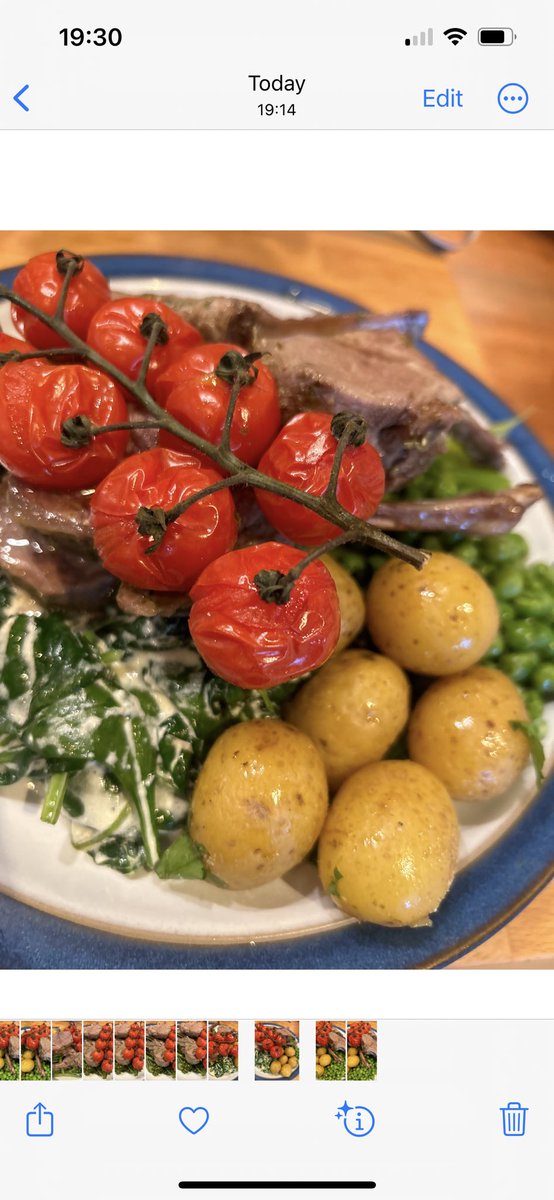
point(492, 308)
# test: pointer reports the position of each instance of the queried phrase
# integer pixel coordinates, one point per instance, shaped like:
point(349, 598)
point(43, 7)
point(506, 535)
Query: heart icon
point(194, 1119)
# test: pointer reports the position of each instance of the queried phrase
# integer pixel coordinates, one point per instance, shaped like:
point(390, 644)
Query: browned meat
point(360, 363)
point(44, 1048)
point(149, 604)
point(88, 1051)
point(337, 1040)
point(122, 1029)
point(219, 1028)
point(119, 1049)
point(157, 1050)
point(62, 578)
point(188, 1049)
point(369, 1044)
point(161, 1030)
point(409, 407)
point(192, 1028)
point(57, 514)
point(68, 1063)
point(480, 514)
point(61, 1040)
point(140, 439)
point(13, 1048)
point(92, 1030)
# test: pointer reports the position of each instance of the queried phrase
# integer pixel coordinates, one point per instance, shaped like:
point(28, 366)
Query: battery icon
point(496, 37)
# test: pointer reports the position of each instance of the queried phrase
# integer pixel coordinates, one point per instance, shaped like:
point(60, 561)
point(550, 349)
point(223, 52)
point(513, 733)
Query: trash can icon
point(514, 1116)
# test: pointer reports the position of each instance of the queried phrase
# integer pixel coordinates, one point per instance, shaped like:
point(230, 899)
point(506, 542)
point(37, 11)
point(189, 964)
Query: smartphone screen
point(276, 601)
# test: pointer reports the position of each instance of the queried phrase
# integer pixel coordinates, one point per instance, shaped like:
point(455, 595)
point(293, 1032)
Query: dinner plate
point(58, 909)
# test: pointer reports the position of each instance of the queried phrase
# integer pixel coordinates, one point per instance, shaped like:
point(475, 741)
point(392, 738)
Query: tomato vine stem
point(353, 529)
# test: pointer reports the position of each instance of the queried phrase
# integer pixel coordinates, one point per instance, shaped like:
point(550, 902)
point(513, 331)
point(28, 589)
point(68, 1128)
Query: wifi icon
point(455, 35)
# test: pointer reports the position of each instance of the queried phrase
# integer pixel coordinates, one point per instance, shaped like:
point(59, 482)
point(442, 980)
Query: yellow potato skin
point(436, 621)
point(392, 834)
point(351, 603)
point(259, 802)
point(353, 709)
point(460, 729)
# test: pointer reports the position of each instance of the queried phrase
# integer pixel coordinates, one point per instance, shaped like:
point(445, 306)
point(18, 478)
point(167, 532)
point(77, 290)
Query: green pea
point(533, 702)
point(519, 666)
point(446, 487)
point(468, 552)
point(542, 573)
point(376, 560)
point(527, 634)
point(487, 570)
point(506, 612)
point(543, 680)
point(431, 541)
point(507, 582)
point(505, 547)
point(452, 539)
point(534, 604)
point(496, 648)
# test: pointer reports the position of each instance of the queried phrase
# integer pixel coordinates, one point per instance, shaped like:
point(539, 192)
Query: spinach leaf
point(181, 860)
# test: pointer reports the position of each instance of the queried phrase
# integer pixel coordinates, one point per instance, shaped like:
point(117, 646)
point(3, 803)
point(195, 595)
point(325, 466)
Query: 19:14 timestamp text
point(277, 110)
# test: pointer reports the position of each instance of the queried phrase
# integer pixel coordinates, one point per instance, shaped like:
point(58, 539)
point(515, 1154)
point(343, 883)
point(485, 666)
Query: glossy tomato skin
point(161, 478)
point(40, 282)
point(191, 391)
point(8, 343)
point(115, 333)
point(35, 399)
point(253, 643)
point(302, 455)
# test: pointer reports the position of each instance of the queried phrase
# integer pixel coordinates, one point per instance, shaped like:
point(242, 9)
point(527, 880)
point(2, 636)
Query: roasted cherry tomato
point(160, 479)
point(35, 400)
point(115, 332)
point(41, 282)
point(254, 643)
point(302, 455)
point(192, 392)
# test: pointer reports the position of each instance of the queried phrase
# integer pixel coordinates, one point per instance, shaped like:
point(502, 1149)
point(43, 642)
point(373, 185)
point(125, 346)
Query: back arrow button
point(18, 96)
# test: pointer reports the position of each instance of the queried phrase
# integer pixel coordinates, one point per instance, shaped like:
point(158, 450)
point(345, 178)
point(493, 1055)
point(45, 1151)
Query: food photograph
point(128, 1049)
point(276, 609)
point(98, 1049)
point(160, 1050)
point(277, 1050)
point(192, 1049)
point(36, 1051)
point(67, 1049)
point(361, 1061)
point(223, 1050)
point(9, 1051)
point(330, 1050)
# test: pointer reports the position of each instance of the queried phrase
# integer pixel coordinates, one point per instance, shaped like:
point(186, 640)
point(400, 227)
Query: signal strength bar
point(424, 39)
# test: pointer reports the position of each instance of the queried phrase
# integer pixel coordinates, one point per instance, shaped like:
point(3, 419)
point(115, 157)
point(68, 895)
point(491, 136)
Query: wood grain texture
point(492, 309)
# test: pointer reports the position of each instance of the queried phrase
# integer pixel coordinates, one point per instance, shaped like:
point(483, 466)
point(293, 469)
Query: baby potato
point(293, 1063)
point(259, 802)
point(2, 1060)
point(351, 602)
point(352, 1061)
point(290, 1052)
point(352, 709)
point(275, 1068)
point(461, 730)
point(27, 1065)
point(319, 1070)
point(283, 1060)
point(286, 1072)
point(325, 1060)
point(388, 849)
point(435, 621)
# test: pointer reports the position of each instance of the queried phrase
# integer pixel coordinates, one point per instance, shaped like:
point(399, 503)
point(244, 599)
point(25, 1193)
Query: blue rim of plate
point(483, 898)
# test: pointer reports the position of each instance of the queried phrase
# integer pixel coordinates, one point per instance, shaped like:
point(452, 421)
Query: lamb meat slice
point(13, 1046)
point(150, 604)
point(45, 1048)
point(70, 1060)
point(92, 1030)
point(193, 1029)
point(88, 1053)
point(337, 1040)
point(157, 1050)
point(218, 1028)
point(369, 1044)
point(408, 405)
point(122, 1029)
point(160, 1030)
point(60, 577)
point(61, 1040)
point(60, 515)
point(188, 1049)
point(119, 1052)
point(479, 514)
